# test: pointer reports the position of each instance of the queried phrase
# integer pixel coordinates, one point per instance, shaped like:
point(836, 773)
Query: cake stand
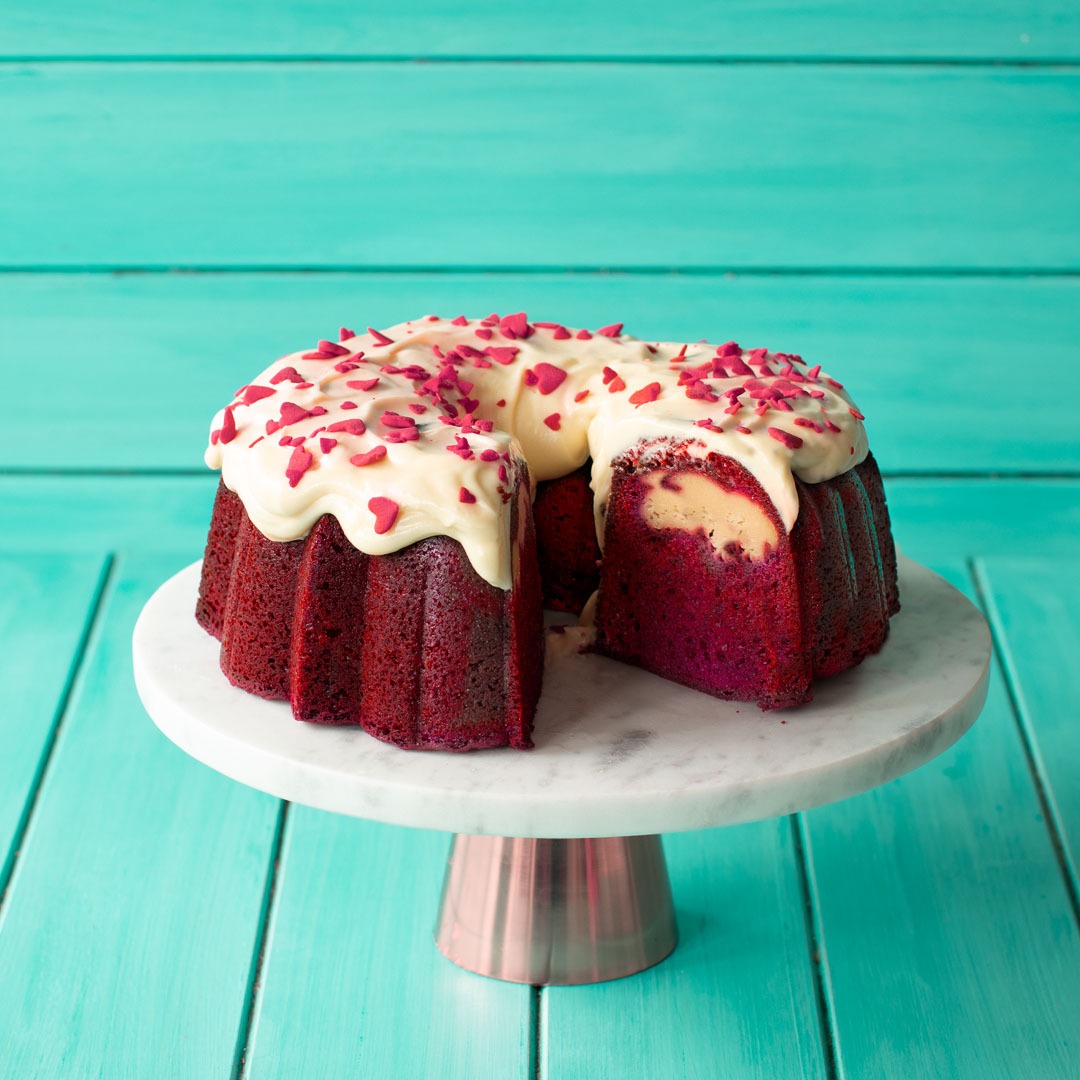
point(557, 873)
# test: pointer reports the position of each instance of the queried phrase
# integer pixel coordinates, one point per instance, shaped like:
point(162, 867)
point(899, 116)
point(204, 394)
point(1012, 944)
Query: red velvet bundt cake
point(396, 509)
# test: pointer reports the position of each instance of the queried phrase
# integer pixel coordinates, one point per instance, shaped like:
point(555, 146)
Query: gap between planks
point(380, 270)
point(267, 913)
point(1061, 63)
point(91, 631)
point(815, 941)
point(1040, 781)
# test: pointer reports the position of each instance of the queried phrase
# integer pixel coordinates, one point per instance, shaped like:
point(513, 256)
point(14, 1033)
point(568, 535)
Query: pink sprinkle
point(385, 511)
point(291, 413)
point(380, 339)
point(299, 464)
point(326, 445)
point(679, 357)
point(363, 384)
point(289, 373)
point(616, 385)
point(345, 333)
point(792, 442)
point(831, 426)
point(646, 393)
point(817, 393)
point(742, 430)
point(549, 377)
point(417, 408)
point(271, 426)
point(731, 410)
point(396, 420)
point(483, 332)
point(855, 412)
point(502, 473)
point(614, 330)
point(465, 495)
point(489, 455)
point(561, 334)
point(802, 421)
point(256, 393)
point(349, 405)
point(332, 348)
point(432, 318)
point(531, 378)
point(228, 426)
point(255, 442)
point(609, 374)
point(345, 366)
point(814, 372)
point(459, 321)
point(581, 395)
point(553, 421)
point(402, 435)
point(583, 335)
point(369, 457)
point(729, 348)
point(350, 427)
point(515, 326)
point(502, 354)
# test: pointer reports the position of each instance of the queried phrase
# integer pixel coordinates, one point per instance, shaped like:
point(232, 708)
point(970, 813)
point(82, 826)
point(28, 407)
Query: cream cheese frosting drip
point(424, 429)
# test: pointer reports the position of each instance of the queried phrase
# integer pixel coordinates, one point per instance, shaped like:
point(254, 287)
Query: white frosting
point(285, 491)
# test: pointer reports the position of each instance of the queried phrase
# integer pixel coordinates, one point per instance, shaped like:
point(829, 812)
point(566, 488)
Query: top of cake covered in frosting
point(419, 430)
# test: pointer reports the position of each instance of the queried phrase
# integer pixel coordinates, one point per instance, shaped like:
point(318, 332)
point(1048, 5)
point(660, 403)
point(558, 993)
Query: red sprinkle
point(501, 403)
point(483, 332)
point(645, 394)
point(299, 464)
point(792, 442)
point(385, 511)
point(380, 339)
point(369, 457)
point(326, 445)
point(501, 354)
point(515, 326)
point(363, 384)
point(614, 330)
point(855, 412)
point(561, 334)
point(228, 426)
point(256, 393)
point(291, 413)
point(553, 421)
point(349, 405)
point(417, 408)
point(465, 495)
point(289, 373)
point(350, 427)
point(581, 396)
point(549, 377)
point(332, 348)
point(583, 335)
point(489, 455)
point(345, 333)
point(459, 321)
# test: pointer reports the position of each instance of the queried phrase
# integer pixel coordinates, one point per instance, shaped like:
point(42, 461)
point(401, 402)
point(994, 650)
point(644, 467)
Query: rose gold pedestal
point(556, 912)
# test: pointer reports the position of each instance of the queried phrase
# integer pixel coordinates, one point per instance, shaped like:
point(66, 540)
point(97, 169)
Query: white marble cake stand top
point(619, 752)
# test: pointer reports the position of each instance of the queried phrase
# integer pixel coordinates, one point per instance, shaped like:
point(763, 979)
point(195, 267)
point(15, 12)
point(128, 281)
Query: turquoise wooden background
point(188, 190)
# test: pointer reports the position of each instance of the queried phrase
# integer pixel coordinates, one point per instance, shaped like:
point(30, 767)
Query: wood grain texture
point(159, 354)
point(736, 999)
point(129, 928)
point(352, 984)
point(46, 603)
point(447, 28)
point(539, 165)
point(950, 943)
point(1033, 603)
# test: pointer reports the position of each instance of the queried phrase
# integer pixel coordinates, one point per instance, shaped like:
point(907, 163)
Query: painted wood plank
point(539, 165)
point(635, 28)
point(1034, 603)
point(939, 520)
point(149, 513)
point(950, 943)
point(129, 929)
point(904, 346)
point(736, 998)
point(352, 983)
point(46, 602)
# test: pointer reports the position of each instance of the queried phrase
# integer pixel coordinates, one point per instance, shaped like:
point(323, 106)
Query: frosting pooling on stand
point(426, 428)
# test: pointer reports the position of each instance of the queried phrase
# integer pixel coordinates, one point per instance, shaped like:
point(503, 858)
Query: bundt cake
point(396, 509)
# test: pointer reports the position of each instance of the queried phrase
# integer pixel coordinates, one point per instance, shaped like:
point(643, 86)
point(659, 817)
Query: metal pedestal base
point(556, 912)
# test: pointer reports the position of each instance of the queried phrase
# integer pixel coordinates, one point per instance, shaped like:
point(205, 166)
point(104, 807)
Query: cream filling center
point(737, 526)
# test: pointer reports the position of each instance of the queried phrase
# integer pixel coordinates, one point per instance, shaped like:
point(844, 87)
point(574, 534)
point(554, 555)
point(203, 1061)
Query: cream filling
point(737, 526)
